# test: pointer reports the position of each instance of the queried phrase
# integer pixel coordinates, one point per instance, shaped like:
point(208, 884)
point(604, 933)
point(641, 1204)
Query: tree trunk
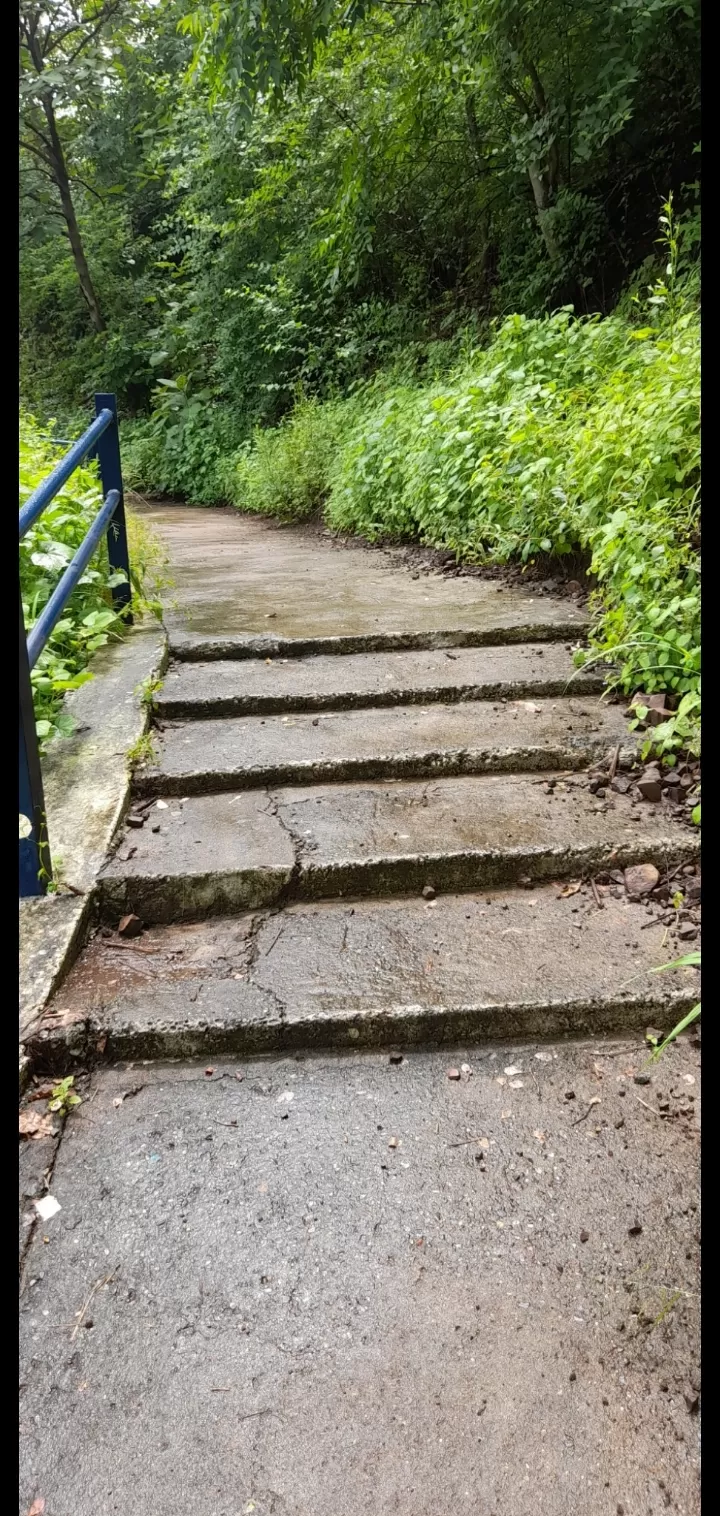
point(54, 159)
point(62, 181)
point(540, 190)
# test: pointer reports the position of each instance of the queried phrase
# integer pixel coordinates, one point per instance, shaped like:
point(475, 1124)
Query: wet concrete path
point(312, 1267)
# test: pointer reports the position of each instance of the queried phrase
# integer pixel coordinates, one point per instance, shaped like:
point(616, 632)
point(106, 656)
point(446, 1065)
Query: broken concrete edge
point(54, 927)
point(159, 899)
point(193, 647)
point(93, 1041)
point(274, 705)
point(152, 783)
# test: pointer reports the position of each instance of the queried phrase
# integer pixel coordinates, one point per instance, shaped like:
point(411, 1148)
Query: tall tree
point(63, 56)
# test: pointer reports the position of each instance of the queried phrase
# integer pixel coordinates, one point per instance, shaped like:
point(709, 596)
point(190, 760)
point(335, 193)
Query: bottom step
point(499, 965)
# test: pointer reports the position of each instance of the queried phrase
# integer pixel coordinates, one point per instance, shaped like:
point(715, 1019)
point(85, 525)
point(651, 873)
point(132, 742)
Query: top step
point(245, 588)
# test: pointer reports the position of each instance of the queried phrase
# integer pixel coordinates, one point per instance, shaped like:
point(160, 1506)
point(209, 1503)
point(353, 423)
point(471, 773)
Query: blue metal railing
point(101, 441)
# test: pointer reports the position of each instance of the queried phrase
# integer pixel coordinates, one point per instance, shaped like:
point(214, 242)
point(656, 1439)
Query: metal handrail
point(102, 437)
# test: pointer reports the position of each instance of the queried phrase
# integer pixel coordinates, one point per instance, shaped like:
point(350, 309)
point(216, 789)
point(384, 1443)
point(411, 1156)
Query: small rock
point(155, 826)
point(573, 588)
point(573, 1376)
point(584, 1236)
point(621, 784)
point(635, 1229)
point(687, 932)
point(650, 789)
point(130, 926)
point(692, 1401)
point(641, 879)
point(641, 1078)
point(453, 1074)
point(569, 1094)
point(394, 1142)
point(429, 892)
point(395, 1058)
point(525, 882)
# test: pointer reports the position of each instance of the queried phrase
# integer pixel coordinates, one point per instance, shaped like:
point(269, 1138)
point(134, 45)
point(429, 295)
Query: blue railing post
point(34, 853)
point(108, 454)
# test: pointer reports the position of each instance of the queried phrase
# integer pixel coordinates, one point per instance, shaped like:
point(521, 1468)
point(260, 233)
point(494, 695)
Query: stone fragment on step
point(130, 926)
point(650, 785)
point(641, 879)
point(654, 705)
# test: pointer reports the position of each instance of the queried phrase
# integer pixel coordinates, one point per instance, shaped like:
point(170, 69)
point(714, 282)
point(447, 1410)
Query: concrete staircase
point(365, 840)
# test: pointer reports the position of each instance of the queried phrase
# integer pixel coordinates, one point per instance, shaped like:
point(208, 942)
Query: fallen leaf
point(285, 1098)
point(516, 1084)
point(544, 1057)
point(162, 805)
point(506, 1115)
point(570, 889)
point(540, 1136)
point(500, 1080)
point(512, 1069)
point(37, 1507)
point(32, 1124)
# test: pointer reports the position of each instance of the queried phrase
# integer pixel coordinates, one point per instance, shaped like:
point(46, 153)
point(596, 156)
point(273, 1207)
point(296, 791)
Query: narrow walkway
point(316, 1283)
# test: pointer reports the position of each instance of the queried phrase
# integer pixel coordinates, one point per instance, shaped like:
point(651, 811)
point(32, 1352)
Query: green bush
point(562, 435)
point(284, 472)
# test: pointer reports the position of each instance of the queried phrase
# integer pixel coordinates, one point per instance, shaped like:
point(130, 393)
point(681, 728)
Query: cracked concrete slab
point(287, 1314)
point(477, 966)
point(471, 737)
point(287, 583)
point(262, 686)
point(199, 855)
point(211, 854)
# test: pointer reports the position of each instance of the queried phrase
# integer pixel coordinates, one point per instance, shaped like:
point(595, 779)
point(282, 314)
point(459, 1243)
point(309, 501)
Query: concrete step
point(498, 965)
point(263, 686)
point(214, 854)
point(495, 624)
point(469, 737)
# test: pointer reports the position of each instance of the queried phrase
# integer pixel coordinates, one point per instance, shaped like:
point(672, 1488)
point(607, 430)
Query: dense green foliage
point(562, 434)
point(88, 620)
point(325, 253)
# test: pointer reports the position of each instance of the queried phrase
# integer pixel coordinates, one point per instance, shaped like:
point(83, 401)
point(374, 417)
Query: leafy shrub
point(284, 472)
point(183, 454)
point(562, 435)
point(88, 620)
